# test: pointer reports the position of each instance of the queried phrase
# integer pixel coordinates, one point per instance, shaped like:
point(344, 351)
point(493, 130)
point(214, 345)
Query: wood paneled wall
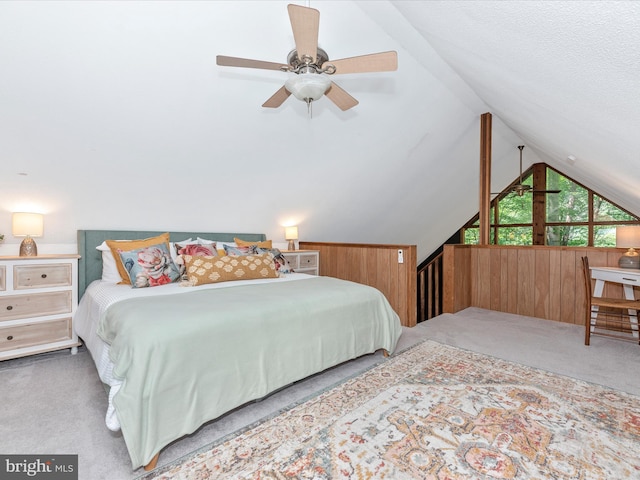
point(377, 266)
point(537, 281)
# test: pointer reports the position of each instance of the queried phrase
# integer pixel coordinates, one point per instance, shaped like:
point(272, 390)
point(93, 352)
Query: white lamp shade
point(628, 236)
point(291, 233)
point(25, 224)
point(308, 86)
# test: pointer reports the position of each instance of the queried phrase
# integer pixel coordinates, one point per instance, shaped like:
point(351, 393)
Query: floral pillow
point(193, 249)
point(238, 251)
point(282, 264)
point(117, 246)
point(175, 246)
point(197, 249)
point(220, 246)
point(149, 266)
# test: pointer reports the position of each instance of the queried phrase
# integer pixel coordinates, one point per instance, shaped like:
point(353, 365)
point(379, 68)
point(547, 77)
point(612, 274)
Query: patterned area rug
point(438, 412)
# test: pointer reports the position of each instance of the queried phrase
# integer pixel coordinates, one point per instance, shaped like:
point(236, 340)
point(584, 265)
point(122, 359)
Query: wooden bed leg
point(152, 464)
point(385, 352)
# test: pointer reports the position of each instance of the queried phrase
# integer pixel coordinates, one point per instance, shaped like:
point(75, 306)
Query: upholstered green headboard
point(90, 264)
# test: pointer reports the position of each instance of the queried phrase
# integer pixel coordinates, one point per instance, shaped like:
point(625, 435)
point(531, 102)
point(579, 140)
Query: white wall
point(115, 116)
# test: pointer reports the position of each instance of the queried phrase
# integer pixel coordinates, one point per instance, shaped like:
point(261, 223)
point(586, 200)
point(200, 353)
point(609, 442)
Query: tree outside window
point(576, 216)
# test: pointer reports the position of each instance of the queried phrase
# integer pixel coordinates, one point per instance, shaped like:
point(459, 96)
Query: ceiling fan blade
point(530, 191)
point(277, 98)
point(305, 23)
point(248, 63)
point(374, 62)
point(342, 99)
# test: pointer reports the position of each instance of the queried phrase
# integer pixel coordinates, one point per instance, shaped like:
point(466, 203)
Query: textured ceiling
point(121, 119)
point(561, 75)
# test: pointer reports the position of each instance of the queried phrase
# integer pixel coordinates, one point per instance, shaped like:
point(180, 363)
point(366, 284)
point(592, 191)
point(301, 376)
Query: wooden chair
point(618, 305)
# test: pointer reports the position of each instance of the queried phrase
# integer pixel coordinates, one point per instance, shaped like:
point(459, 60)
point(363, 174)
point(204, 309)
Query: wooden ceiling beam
point(485, 178)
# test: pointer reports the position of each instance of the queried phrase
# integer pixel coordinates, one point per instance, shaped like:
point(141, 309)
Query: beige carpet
point(437, 412)
point(55, 403)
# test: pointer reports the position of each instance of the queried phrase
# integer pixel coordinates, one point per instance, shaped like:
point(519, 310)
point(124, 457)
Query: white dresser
point(303, 261)
point(38, 298)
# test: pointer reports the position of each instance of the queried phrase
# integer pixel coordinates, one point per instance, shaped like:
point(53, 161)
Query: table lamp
point(628, 237)
point(27, 225)
point(291, 234)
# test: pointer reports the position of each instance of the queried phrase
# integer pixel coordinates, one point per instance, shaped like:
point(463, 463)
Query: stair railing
point(430, 289)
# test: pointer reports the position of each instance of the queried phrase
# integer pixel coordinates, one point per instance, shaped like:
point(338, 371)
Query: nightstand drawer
point(292, 259)
point(35, 305)
point(31, 334)
point(308, 260)
point(41, 276)
point(303, 261)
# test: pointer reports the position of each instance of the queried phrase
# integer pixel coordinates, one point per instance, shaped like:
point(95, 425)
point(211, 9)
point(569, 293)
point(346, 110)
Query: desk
point(628, 277)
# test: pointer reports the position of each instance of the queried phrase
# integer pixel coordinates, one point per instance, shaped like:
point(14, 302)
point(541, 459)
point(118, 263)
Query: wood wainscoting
point(377, 266)
point(536, 281)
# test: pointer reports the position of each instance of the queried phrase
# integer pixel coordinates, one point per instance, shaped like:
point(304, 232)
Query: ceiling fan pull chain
point(309, 107)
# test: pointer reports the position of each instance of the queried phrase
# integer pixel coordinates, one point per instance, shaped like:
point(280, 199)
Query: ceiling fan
point(311, 64)
point(519, 188)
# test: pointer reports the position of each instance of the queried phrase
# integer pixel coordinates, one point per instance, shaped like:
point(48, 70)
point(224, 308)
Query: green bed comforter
point(186, 359)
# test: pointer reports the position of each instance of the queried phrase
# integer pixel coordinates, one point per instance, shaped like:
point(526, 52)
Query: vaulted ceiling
point(119, 117)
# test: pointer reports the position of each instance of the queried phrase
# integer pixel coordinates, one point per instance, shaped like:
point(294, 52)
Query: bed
point(176, 356)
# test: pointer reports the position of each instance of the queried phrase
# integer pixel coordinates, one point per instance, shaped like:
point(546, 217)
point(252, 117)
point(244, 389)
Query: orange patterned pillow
point(201, 270)
point(245, 243)
point(118, 246)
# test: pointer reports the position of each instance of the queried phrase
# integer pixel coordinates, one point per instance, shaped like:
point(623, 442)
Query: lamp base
point(629, 260)
point(28, 248)
point(291, 245)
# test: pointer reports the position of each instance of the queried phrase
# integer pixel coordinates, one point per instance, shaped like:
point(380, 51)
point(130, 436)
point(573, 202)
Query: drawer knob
point(44, 275)
point(9, 307)
point(10, 337)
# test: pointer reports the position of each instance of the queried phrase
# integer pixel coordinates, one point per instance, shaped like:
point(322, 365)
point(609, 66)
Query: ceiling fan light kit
point(311, 65)
point(308, 87)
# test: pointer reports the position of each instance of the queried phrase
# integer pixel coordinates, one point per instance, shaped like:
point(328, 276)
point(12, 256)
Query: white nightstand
point(38, 297)
point(303, 261)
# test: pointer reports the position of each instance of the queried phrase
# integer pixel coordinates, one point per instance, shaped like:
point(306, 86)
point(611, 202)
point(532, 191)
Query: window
point(576, 216)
